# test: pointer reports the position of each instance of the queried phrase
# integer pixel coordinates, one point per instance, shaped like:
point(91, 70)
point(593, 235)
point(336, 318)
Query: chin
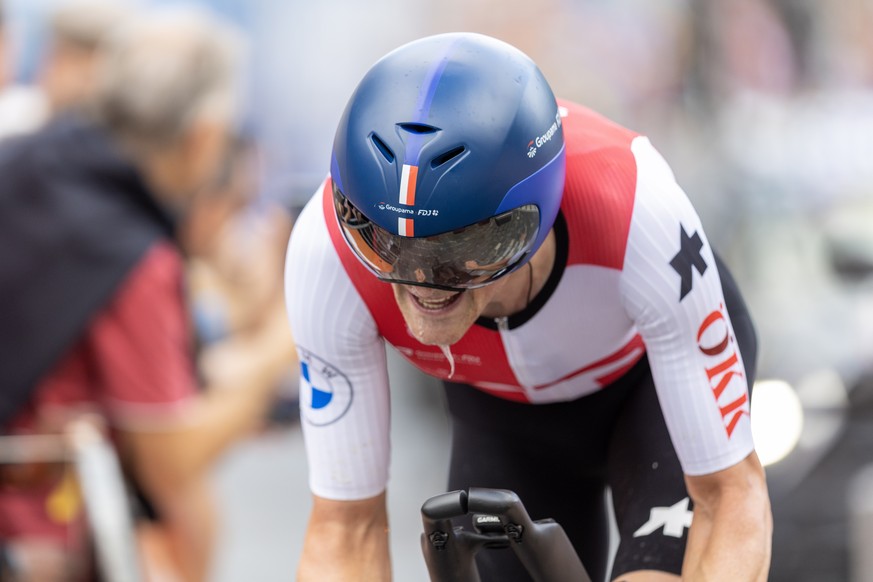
point(436, 333)
point(435, 338)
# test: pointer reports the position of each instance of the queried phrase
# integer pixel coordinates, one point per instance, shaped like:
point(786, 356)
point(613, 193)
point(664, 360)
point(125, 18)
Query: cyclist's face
point(437, 317)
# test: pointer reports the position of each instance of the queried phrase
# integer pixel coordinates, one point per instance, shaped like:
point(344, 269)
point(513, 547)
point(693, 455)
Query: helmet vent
point(446, 156)
point(382, 147)
point(418, 128)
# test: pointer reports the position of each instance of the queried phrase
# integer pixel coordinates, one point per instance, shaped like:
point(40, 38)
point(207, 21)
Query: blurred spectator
point(76, 29)
point(235, 248)
point(22, 109)
point(67, 74)
point(89, 211)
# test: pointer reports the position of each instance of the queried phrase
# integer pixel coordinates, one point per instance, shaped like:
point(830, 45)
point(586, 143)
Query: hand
point(256, 360)
point(45, 561)
point(245, 266)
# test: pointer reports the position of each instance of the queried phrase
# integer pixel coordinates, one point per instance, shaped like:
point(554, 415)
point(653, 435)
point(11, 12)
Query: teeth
point(432, 304)
point(435, 303)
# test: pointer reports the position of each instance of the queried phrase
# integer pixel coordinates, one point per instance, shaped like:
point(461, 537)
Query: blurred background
point(764, 109)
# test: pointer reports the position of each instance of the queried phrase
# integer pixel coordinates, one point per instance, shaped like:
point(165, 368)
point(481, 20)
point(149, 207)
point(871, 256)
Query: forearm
point(173, 467)
point(350, 545)
point(328, 557)
point(189, 522)
point(222, 419)
point(242, 376)
point(177, 458)
point(234, 403)
point(731, 539)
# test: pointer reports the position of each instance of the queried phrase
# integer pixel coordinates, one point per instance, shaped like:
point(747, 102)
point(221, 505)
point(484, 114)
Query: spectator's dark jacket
point(75, 217)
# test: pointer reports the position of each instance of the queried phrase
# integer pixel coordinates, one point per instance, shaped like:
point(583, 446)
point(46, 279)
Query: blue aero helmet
point(448, 162)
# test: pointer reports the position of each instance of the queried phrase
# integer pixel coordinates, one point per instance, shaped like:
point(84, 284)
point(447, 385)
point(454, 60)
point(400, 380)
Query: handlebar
point(499, 520)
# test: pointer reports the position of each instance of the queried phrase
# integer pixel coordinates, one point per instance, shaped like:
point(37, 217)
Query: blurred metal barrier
point(860, 508)
point(106, 502)
point(101, 483)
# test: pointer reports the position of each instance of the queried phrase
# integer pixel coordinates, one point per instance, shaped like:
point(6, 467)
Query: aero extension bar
point(500, 521)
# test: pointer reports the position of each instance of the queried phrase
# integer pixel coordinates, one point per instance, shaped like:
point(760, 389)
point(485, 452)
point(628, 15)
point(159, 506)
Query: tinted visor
point(461, 259)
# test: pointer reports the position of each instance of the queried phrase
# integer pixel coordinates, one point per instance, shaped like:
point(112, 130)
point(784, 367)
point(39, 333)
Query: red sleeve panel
point(599, 192)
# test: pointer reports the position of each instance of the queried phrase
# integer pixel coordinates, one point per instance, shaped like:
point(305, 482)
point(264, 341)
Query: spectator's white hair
point(85, 23)
point(169, 68)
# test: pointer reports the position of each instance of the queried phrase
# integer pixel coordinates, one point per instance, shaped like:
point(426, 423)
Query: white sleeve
point(344, 396)
point(671, 289)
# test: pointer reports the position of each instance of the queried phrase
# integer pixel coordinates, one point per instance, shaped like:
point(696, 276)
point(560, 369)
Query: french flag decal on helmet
point(408, 178)
point(404, 227)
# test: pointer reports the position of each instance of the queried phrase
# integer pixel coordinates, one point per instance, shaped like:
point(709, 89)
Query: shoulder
point(312, 257)
point(667, 247)
point(600, 186)
point(309, 234)
point(160, 271)
point(586, 131)
point(147, 310)
point(138, 345)
point(149, 305)
point(615, 180)
point(321, 297)
point(661, 203)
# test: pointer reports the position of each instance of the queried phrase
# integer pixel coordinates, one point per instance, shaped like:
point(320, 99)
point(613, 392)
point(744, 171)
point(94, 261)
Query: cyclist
point(543, 262)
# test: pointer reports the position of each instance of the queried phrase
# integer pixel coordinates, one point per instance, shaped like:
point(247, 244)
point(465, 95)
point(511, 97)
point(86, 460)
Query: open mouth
point(438, 304)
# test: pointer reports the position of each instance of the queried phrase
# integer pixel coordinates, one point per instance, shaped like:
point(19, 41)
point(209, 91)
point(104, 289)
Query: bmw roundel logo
point(325, 392)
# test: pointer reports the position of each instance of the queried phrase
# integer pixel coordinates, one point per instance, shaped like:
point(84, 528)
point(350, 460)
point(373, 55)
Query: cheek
point(399, 295)
point(404, 304)
point(483, 296)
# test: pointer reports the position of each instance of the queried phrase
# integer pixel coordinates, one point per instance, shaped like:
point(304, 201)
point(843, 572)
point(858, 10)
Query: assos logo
point(325, 392)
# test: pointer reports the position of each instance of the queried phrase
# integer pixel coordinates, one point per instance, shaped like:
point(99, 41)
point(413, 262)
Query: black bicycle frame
point(500, 520)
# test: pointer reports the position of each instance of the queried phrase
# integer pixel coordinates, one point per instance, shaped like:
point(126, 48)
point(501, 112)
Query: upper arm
point(672, 290)
point(139, 346)
point(162, 461)
point(344, 395)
